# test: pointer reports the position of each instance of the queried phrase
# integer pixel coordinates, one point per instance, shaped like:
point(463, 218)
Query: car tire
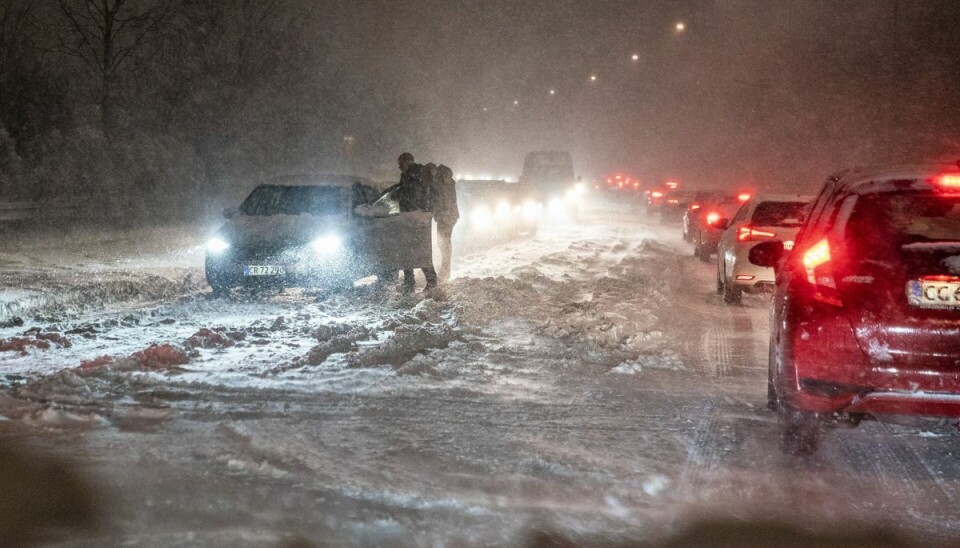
point(799, 431)
point(731, 293)
point(773, 402)
point(702, 252)
point(219, 291)
point(719, 280)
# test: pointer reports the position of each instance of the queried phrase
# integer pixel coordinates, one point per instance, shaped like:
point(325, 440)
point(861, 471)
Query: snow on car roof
point(863, 180)
point(318, 179)
point(783, 198)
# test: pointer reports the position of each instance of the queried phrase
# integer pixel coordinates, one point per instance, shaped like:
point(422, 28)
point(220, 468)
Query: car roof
point(318, 179)
point(865, 180)
point(783, 198)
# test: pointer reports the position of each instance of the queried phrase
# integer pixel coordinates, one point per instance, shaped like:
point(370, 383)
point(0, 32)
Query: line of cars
point(865, 318)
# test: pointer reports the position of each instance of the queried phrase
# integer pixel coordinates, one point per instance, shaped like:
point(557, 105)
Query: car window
point(294, 200)
point(741, 214)
point(881, 225)
point(780, 214)
point(389, 200)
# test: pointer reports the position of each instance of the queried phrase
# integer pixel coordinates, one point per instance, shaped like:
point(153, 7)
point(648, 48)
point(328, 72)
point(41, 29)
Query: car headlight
point(331, 243)
point(217, 245)
point(481, 217)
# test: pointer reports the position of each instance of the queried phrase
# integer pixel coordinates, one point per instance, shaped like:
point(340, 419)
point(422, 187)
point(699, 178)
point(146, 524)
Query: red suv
point(866, 317)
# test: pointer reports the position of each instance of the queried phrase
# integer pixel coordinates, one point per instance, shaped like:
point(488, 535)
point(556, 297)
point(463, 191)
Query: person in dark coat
point(413, 195)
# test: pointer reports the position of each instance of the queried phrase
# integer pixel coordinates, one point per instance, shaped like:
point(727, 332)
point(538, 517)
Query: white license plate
point(926, 293)
point(263, 270)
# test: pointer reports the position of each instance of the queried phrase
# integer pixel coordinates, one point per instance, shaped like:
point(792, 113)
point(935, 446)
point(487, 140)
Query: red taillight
point(695, 207)
point(712, 217)
point(951, 180)
point(747, 234)
point(816, 265)
point(656, 194)
point(743, 197)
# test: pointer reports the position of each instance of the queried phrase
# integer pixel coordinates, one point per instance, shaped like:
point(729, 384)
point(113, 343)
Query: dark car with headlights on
point(307, 231)
point(866, 316)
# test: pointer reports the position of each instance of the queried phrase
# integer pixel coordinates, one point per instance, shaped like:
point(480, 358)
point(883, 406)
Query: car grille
point(266, 253)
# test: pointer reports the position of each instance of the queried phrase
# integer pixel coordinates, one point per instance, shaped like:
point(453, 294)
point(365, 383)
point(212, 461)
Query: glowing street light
point(681, 26)
point(516, 102)
point(553, 92)
point(593, 77)
point(634, 57)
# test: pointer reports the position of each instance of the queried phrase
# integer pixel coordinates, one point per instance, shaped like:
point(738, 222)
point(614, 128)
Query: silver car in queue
point(764, 217)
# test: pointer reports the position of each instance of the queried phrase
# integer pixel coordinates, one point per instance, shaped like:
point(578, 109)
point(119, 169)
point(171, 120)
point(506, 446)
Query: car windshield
point(294, 200)
point(782, 214)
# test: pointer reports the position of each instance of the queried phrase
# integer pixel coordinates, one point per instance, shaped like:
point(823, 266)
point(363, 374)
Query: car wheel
point(220, 292)
point(773, 403)
point(719, 280)
point(799, 431)
point(702, 252)
point(731, 293)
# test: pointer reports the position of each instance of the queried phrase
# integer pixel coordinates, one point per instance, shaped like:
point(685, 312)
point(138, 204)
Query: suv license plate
point(934, 293)
point(263, 270)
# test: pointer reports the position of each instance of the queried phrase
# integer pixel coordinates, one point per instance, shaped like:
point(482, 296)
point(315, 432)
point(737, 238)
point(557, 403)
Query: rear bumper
point(832, 374)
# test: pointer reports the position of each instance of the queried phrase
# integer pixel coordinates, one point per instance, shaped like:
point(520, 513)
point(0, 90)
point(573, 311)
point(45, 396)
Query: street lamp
point(593, 77)
point(553, 92)
point(681, 26)
point(634, 57)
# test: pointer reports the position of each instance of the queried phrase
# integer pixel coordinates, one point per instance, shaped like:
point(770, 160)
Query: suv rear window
point(785, 214)
point(882, 224)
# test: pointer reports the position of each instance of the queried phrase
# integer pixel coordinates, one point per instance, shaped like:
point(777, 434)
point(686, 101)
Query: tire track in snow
point(898, 470)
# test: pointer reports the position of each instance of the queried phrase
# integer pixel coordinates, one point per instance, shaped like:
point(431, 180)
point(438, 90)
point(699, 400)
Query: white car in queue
point(762, 218)
point(315, 231)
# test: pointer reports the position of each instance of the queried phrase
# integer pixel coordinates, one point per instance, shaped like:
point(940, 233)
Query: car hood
point(280, 230)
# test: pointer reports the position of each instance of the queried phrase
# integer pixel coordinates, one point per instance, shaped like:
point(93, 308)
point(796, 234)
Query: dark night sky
point(754, 92)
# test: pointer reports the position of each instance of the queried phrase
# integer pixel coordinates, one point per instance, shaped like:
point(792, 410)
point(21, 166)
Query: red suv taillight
point(747, 234)
point(819, 270)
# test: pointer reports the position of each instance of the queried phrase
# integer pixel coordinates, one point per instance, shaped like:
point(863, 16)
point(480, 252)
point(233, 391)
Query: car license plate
point(263, 270)
point(934, 292)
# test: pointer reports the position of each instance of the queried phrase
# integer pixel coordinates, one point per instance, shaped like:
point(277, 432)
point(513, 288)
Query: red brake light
point(816, 264)
point(657, 194)
point(695, 207)
point(743, 197)
point(747, 234)
point(816, 256)
point(951, 180)
point(712, 217)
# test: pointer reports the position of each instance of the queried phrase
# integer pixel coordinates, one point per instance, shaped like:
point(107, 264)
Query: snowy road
point(588, 381)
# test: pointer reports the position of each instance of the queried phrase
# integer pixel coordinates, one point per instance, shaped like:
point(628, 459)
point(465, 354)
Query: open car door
point(391, 240)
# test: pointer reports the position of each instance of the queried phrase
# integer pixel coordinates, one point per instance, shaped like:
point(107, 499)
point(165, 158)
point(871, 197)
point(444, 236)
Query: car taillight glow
point(747, 234)
point(712, 217)
point(695, 207)
point(656, 194)
point(816, 256)
point(743, 197)
point(951, 180)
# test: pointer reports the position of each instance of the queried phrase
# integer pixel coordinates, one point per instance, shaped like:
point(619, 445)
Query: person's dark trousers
point(409, 281)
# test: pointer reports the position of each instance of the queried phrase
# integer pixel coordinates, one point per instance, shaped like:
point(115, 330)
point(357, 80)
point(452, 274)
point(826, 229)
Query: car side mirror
point(767, 254)
point(230, 212)
point(722, 223)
